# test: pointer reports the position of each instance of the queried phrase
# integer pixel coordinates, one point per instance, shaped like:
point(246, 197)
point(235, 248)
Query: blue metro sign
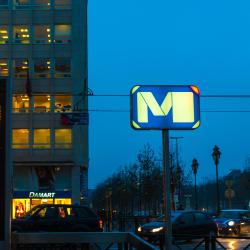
point(165, 107)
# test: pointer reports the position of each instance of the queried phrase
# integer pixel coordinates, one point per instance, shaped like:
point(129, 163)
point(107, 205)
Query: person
point(20, 212)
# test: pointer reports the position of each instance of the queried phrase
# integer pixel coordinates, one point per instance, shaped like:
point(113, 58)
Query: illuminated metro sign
point(165, 107)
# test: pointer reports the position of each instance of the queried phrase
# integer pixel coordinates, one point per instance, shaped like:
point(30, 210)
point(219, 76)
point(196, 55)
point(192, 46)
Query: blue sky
point(206, 43)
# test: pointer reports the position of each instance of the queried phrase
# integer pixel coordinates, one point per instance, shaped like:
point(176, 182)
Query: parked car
point(185, 225)
point(58, 218)
point(233, 221)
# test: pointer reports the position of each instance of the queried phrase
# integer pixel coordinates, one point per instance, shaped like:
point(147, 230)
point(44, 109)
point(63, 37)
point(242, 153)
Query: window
point(42, 67)
point(4, 70)
point(4, 34)
point(3, 2)
point(42, 103)
point(62, 67)
point(42, 3)
point(63, 103)
point(21, 34)
point(62, 33)
point(21, 68)
point(42, 34)
point(20, 138)
point(41, 138)
point(20, 103)
point(62, 4)
point(63, 138)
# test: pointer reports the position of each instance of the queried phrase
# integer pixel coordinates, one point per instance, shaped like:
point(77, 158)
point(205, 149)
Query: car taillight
point(100, 224)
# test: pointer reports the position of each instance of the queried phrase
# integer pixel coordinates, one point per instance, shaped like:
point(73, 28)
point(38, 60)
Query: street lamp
point(216, 156)
point(194, 168)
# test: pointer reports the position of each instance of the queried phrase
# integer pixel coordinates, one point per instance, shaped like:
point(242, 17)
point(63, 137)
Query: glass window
point(20, 103)
point(63, 138)
point(21, 34)
point(42, 67)
point(20, 138)
point(4, 70)
point(42, 34)
point(41, 138)
point(62, 67)
point(21, 68)
point(63, 103)
point(4, 34)
point(62, 33)
point(42, 3)
point(42, 103)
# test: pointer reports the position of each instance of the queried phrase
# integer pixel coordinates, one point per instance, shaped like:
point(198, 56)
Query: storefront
point(23, 201)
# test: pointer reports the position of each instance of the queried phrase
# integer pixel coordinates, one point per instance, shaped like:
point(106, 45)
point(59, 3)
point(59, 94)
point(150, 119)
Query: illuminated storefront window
point(63, 103)
point(20, 207)
point(63, 138)
point(20, 138)
point(20, 103)
point(42, 67)
point(62, 33)
point(41, 138)
point(42, 103)
point(21, 34)
point(21, 68)
point(4, 37)
point(62, 67)
point(42, 34)
point(62, 4)
point(4, 70)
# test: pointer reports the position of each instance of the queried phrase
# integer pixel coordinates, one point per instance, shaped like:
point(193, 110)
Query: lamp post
point(194, 168)
point(216, 156)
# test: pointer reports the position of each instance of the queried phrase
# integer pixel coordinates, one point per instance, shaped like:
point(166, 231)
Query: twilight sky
point(206, 43)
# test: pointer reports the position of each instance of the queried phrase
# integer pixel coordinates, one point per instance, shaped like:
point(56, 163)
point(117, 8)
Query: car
point(58, 218)
point(185, 225)
point(233, 222)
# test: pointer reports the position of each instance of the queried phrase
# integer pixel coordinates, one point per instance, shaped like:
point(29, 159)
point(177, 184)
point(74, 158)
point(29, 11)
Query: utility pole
point(178, 168)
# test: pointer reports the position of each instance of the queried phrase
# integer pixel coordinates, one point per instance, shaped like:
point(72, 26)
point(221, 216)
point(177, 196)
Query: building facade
point(43, 54)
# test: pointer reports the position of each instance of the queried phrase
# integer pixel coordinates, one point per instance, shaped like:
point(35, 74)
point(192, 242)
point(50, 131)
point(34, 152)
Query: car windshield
point(32, 211)
point(174, 215)
point(234, 214)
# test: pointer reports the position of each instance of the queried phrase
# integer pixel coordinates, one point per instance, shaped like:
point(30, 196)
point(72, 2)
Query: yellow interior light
point(3, 31)
point(48, 62)
point(48, 30)
point(5, 37)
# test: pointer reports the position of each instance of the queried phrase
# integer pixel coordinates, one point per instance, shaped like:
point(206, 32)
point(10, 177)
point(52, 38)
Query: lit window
point(42, 34)
point(21, 34)
point(63, 138)
point(62, 4)
point(20, 138)
point(42, 3)
point(4, 71)
point(42, 67)
point(62, 33)
point(20, 103)
point(63, 103)
point(42, 103)
point(62, 67)
point(41, 138)
point(4, 34)
point(21, 68)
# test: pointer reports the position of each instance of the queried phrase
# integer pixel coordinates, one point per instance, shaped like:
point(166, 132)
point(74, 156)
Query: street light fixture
point(195, 168)
point(216, 156)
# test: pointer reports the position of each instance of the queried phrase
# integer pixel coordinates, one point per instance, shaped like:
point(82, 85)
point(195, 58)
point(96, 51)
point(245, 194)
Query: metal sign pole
point(166, 191)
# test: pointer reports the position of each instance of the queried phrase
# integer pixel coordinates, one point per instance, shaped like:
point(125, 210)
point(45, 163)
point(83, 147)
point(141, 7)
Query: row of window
point(41, 138)
point(38, 67)
point(47, 4)
point(59, 33)
point(42, 103)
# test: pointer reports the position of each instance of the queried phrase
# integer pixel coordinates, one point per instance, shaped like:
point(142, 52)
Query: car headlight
point(231, 223)
point(139, 229)
point(156, 230)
